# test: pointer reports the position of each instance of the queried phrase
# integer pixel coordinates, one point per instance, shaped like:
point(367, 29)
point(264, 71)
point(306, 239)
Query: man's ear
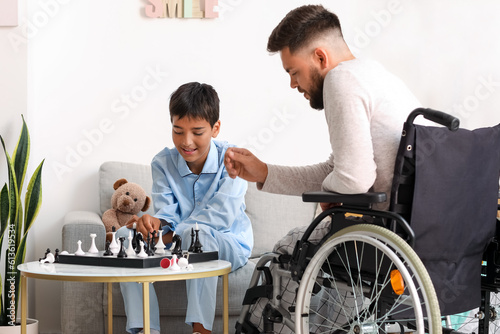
point(321, 58)
point(216, 129)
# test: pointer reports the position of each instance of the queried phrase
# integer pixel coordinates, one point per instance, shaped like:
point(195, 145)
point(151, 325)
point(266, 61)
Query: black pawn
point(107, 252)
point(197, 243)
point(191, 247)
point(56, 256)
point(122, 252)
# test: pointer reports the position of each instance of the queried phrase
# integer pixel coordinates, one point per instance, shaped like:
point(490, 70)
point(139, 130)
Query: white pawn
point(174, 266)
point(113, 246)
point(142, 253)
point(160, 246)
point(93, 249)
point(183, 263)
point(79, 251)
point(130, 251)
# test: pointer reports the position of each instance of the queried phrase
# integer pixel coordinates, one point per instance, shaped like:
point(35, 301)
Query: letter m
point(172, 6)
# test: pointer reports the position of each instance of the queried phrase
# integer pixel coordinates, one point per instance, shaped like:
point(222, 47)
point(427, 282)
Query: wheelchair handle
point(451, 122)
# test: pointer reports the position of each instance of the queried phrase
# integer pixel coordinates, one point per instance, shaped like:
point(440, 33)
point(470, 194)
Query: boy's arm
point(222, 209)
point(165, 204)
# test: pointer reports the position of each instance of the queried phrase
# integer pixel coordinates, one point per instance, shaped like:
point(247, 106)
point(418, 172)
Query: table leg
point(24, 303)
point(225, 312)
point(145, 307)
point(110, 308)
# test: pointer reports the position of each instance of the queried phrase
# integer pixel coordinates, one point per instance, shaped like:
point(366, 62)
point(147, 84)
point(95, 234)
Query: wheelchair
point(419, 267)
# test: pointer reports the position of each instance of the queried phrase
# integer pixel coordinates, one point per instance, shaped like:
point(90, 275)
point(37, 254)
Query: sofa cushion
point(282, 212)
point(111, 171)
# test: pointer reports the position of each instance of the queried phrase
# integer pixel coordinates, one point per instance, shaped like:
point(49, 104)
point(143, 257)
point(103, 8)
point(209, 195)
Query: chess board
point(131, 262)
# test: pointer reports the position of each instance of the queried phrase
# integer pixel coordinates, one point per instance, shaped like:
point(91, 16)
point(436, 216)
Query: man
point(365, 107)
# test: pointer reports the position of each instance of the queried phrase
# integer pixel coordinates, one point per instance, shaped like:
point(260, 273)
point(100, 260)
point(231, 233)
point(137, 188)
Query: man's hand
point(145, 224)
point(326, 206)
point(241, 162)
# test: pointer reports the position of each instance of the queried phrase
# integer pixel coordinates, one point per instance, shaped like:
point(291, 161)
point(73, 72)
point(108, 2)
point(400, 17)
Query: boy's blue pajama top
point(214, 201)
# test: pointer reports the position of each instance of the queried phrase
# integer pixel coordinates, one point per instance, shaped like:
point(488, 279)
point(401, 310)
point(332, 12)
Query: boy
point(191, 185)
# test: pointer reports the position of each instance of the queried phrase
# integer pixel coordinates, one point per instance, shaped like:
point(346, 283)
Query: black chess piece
point(108, 251)
point(191, 247)
point(138, 240)
point(122, 252)
point(197, 244)
point(134, 238)
point(178, 243)
point(56, 256)
point(151, 244)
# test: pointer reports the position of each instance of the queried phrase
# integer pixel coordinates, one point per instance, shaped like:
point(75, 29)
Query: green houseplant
point(16, 218)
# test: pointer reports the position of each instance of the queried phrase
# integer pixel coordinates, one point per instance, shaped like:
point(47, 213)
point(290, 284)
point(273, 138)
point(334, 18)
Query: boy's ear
point(216, 129)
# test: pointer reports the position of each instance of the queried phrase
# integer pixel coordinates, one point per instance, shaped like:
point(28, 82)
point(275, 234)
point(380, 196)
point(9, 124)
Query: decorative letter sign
point(8, 13)
point(182, 8)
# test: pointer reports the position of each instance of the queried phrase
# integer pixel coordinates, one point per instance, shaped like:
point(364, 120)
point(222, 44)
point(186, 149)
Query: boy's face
point(192, 139)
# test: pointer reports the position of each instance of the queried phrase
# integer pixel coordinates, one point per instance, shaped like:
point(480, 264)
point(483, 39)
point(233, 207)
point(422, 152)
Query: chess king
point(191, 185)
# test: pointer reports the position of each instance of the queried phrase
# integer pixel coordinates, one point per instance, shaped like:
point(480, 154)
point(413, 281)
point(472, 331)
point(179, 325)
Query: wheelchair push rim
point(363, 315)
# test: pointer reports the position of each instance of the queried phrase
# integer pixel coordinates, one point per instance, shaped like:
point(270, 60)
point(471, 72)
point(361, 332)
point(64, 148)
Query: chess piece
point(108, 251)
point(45, 255)
point(122, 252)
point(178, 243)
point(160, 246)
point(56, 256)
point(130, 249)
point(197, 244)
point(191, 247)
point(138, 239)
point(93, 249)
point(151, 244)
point(183, 263)
point(49, 257)
point(174, 265)
point(79, 251)
point(142, 253)
point(113, 246)
point(134, 237)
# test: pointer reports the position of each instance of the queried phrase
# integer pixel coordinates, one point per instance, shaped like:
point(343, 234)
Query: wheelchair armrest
point(353, 199)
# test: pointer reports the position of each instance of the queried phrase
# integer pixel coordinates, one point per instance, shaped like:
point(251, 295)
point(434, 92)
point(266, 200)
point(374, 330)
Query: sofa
point(84, 305)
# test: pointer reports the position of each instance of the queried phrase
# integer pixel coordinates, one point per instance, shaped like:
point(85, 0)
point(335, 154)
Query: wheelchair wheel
point(473, 321)
point(366, 280)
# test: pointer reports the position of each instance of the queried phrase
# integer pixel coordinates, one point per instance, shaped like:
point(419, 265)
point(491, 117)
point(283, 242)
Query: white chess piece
point(175, 265)
point(130, 251)
point(142, 253)
point(173, 243)
point(48, 259)
point(160, 246)
point(79, 251)
point(93, 249)
point(183, 263)
point(114, 247)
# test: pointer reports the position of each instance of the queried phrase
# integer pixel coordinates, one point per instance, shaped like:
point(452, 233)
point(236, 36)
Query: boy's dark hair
point(302, 25)
point(195, 100)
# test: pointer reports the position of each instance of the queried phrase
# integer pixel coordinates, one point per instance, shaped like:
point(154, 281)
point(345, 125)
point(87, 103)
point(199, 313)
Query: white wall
point(85, 58)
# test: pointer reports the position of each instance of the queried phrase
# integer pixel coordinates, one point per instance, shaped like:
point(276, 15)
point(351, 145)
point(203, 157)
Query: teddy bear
point(128, 200)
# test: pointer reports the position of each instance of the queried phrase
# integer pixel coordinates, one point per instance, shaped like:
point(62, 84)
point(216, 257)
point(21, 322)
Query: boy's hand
point(241, 162)
point(145, 224)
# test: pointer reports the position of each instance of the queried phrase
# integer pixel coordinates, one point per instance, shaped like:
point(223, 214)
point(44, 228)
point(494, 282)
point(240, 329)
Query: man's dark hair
point(195, 100)
point(300, 26)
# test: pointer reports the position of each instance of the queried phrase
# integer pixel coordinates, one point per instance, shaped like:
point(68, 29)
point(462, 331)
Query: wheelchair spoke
point(355, 291)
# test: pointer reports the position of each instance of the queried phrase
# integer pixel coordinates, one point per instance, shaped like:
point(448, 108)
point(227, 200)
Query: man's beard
point(316, 91)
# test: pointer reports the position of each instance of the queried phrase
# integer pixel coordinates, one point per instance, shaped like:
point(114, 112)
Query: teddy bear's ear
point(146, 204)
point(119, 183)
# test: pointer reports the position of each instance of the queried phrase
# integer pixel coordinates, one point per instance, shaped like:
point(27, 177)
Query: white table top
point(73, 272)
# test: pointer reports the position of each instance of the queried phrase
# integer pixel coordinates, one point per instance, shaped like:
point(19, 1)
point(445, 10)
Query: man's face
point(192, 139)
point(305, 76)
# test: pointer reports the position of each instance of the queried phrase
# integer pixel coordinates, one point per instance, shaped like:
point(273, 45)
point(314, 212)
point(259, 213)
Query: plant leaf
point(20, 156)
point(33, 199)
point(14, 197)
point(4, 209)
